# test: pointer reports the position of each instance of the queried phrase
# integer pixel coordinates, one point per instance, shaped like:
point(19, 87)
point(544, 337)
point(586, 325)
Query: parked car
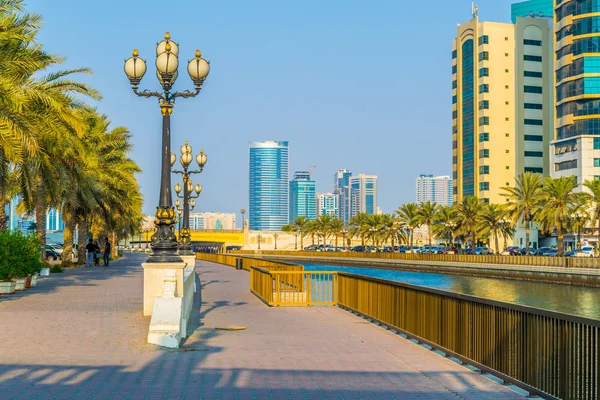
point(482, 251)
point(532, 251)
point(551, 253)
point(571, 253)
point(542, 251)
point(586, 251)
point(51, 254)
point(511, 251)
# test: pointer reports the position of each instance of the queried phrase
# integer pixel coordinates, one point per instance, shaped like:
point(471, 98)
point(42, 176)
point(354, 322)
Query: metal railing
point(297, 288)
point(539, 261)
point(247, 262)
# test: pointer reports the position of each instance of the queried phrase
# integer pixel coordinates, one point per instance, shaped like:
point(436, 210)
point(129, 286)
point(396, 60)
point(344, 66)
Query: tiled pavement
point(81, 335)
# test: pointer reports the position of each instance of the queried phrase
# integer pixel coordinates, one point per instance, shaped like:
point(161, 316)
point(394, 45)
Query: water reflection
point(575, 300)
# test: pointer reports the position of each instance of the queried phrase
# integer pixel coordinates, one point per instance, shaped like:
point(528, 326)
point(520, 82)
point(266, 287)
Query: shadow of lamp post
point(188, 188)
point(164, 243)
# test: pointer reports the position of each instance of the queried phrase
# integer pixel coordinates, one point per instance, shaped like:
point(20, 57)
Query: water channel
point(574, 300)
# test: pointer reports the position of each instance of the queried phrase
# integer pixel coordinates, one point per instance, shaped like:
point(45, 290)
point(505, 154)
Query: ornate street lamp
point(243, 211)
point(164, 243)
point(185, 160)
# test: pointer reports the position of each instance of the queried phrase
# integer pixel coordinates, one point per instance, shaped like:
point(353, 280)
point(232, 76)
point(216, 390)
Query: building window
point(455, 175)
point(484, 153)
point(532, 74)
point(596, 143)
point(484, 170)
point(532, 106)
point(596, 177)
point(484, 72)
point(454, 114)
point(454, 160)
point(537, 122)
point(532, 89)
point(484, 186)
point(534, 170)
point(453, 99)
point(484, 120)
point(484, 137)
point(506, 119)
point(454, 85)
point(484, 105)
point(484, 88)
point(484, 55)
point(483, 39)
point(566, 165)
point(505, 54)
point(506, 70)
point(454, 69)
point(454, 144)
point(534, 154)
point(485, 200)
point(533, 58)
point(532, 42)
point(596, 162)
point(565, 147)
point(533, 138)
point(454, 53)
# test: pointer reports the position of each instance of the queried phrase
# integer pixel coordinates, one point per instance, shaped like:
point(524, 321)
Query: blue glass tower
point(269, 186)
point(302, 196)
point(538, 8)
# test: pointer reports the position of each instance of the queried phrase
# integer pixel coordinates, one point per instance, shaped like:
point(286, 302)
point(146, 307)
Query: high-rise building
point(502, 118)
point(269, 194)
point(532, 8)
point(302, 196)
point(54, 220)
point(341, 187)
point(363, 194)
point(437, 189)
point(26, 223)
point(328, 204)
point(575, 149)
point(212, 220)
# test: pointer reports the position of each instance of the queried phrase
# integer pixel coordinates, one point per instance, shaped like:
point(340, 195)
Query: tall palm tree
point(593, 200)
point(557, 199)
point(426, 214)
point(391, 229)
point(337, 228)
point(358, 226)
point(468, 214)
point(492, 223)
point(292, 229)
point(523, 200)
point(407, 214)
point(301, 225)
point(322, 227)
point(373, 227)
point(444, 223)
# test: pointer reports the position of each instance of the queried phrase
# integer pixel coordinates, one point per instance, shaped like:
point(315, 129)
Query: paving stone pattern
point(81, 335)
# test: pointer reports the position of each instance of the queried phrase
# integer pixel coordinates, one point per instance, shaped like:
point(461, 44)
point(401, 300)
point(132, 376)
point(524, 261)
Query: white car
point(586, 251)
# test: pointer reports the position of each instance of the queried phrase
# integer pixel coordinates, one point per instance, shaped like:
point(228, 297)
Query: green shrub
point(19, 255)
point(56, 269)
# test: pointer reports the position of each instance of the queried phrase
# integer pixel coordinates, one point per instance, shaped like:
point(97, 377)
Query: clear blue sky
point(363, 85)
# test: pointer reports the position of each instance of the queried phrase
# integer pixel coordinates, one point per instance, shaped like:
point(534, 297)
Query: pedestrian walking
point(107, 247)
point(90, 253)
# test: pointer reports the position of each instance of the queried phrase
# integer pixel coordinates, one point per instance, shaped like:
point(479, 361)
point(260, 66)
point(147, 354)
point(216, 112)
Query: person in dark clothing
point(90, 253)
point(107, 248)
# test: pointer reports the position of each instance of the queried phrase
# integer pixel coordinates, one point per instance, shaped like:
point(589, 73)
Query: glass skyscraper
point(363, 194)
point(538, 8)
point(269, 194)
point(302, 196)
point(341, 187)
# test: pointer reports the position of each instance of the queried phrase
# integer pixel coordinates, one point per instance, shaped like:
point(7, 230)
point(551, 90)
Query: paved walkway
point(81, 335)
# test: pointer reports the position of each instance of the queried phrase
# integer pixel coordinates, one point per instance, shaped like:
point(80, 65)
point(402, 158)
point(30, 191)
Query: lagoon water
point(574, 300)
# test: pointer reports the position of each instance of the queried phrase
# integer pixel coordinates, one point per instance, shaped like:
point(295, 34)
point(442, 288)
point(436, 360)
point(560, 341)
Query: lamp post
point(275, 236)
point(188, 188)
point(578, 217)
point(259, 237)
point(243, 211)
point(164, 243)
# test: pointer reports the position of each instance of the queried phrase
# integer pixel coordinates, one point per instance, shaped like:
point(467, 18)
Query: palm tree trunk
point(560, 242)
point(597, 217)
point(496, 239)
point(81, 236)
point(68, 239)
point(114, 248)
point(527, 233)
point(40, 217)
point(4, 217)
point(429, 234)
point(411, 231)
point(336, 241)
point(301, 242)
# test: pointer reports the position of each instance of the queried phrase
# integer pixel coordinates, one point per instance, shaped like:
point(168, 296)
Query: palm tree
point(337, 228)
point(557, 199)
point(301, 225)
point(358, 226)
point(444, 223)
point(292, 229)
point(593, 200)
point(426, 215)
point(492, 223)
point(407, 214)
point(523, 200)
point(373, 227)
point(322, 227)
point(468, 213)
point(391, 229)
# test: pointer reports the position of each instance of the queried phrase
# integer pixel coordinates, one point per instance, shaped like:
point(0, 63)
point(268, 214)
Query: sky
point(360, 85)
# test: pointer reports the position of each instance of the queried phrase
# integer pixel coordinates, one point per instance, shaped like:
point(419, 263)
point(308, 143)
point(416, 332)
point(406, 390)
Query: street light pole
point(164, 243)
point(243, 211)
point(186, 160)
